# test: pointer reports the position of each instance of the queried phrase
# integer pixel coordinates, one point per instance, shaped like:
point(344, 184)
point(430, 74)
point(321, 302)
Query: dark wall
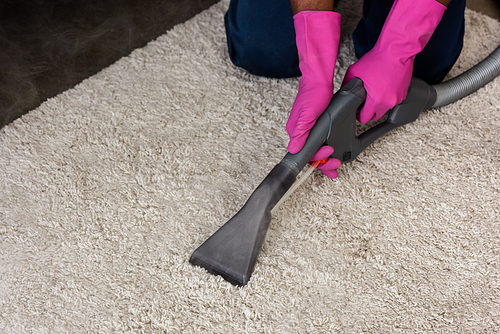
point(49, 46)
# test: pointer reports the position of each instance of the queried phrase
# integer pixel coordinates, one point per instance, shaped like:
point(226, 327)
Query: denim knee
point(262, 44)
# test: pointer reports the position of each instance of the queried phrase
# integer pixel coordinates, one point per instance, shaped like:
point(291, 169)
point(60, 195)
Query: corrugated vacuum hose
point(469, 81)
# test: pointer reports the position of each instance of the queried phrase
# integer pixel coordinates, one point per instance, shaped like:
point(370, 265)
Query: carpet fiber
point(107, 188)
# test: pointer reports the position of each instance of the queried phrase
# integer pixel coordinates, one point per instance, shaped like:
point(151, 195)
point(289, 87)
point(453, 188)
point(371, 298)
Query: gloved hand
point(330, 167)
point(386, 69)
point(317, 39)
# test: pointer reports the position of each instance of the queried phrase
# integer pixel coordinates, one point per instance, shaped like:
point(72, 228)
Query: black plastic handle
point(341, 110)
point(348, 146)
point(337, 125)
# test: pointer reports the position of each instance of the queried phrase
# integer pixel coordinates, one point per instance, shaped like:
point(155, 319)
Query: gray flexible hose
point(469, 81)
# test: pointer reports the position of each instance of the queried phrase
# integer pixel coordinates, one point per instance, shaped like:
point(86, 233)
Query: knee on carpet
point(263, 60)
point(268, 52)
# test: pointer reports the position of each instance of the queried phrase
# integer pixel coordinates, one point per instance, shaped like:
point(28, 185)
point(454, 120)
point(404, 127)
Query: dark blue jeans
point(261, 38)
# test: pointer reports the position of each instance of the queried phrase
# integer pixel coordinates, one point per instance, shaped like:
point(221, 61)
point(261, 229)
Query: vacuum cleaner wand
point(232, 251)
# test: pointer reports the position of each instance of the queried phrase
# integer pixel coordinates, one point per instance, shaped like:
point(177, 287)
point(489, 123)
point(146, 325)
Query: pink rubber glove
point(317, 39)
point(330, 167)
point(386, 70)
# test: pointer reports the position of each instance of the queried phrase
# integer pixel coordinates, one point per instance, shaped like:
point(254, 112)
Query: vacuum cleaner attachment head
point(232, 251)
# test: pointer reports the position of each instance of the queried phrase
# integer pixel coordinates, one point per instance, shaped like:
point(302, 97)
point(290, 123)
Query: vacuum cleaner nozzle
point(232, 251)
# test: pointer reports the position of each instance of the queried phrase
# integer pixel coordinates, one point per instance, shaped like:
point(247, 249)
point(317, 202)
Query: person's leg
point(440, 53)
point(261, 37)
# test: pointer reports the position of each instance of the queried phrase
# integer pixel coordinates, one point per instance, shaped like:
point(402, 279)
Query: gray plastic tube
point(469, 81)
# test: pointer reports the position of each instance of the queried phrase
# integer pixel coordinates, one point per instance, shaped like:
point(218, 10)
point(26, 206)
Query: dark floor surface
point(48, 46)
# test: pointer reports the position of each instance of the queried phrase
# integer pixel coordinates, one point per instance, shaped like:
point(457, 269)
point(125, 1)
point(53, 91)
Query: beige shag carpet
point(106, 189)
